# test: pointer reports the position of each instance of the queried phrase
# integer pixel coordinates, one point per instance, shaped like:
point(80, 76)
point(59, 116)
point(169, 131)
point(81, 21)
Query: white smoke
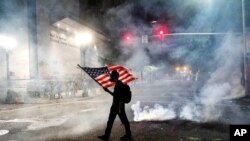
point(158, 113)
point(225, 81)
point(212, 96)
point(209, 105)
point(190, 112)
point(138, 60)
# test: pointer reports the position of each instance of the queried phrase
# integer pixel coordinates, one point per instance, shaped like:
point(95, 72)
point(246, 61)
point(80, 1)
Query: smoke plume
point(218, 57)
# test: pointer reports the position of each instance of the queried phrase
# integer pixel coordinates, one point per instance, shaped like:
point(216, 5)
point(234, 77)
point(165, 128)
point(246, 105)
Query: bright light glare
point(7, 42)
point(161, 32)
point(128, 38)
point(83, 38)
point(185, 68)
point(177, 68)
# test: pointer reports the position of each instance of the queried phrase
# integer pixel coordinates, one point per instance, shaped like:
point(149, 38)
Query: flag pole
point(88, 74)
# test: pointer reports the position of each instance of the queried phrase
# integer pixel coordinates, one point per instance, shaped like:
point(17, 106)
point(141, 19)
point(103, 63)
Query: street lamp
point(7, 43)
point(83, 40)
point(177, 69)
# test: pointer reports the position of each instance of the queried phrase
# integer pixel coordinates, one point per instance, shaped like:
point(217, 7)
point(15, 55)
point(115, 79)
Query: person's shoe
point(126, 137)
point(103, 137)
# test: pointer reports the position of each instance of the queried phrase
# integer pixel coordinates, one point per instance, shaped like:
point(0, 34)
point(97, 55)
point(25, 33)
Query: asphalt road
point(84, 119)
point(37, 122)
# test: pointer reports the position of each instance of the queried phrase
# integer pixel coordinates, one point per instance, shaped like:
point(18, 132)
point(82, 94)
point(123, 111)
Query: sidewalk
point(36, 101)
point(27, 101)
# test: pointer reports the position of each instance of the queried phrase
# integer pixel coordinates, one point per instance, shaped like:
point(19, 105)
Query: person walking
point(117, 108)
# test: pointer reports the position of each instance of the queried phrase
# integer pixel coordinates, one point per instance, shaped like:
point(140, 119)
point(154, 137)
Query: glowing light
point(127, 37)
point(161, 32)
point(83, 38)
point(185, 68)
point(7, 42)
point(177, 68)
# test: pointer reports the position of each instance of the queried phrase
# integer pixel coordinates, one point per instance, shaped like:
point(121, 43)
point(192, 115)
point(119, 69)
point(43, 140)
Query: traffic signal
point(161, 31)
point(127, 37)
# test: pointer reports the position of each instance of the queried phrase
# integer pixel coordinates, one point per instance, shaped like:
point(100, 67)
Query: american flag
point(102, 75)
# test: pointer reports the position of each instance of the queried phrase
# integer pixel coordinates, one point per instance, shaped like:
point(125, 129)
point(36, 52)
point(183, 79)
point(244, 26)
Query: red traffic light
point(127, 37)
point(161, 31)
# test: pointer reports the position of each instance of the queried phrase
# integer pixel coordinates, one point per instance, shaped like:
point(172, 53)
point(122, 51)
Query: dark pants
point(114, 110)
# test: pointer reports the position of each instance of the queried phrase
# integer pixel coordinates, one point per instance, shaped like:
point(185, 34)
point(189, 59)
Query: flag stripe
point(111, 68)
point(123, 72)
point(127, 78)
point(102, 77)
point(124, 76)
point(104, 80)
point(108, 85)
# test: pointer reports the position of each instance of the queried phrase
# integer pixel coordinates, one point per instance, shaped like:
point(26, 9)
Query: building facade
point(47, 51)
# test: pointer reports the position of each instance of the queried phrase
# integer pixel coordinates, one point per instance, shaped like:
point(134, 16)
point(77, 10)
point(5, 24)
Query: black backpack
point(126, 94)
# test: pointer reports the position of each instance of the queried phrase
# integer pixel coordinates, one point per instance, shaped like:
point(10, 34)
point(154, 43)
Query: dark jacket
point(117, 92)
